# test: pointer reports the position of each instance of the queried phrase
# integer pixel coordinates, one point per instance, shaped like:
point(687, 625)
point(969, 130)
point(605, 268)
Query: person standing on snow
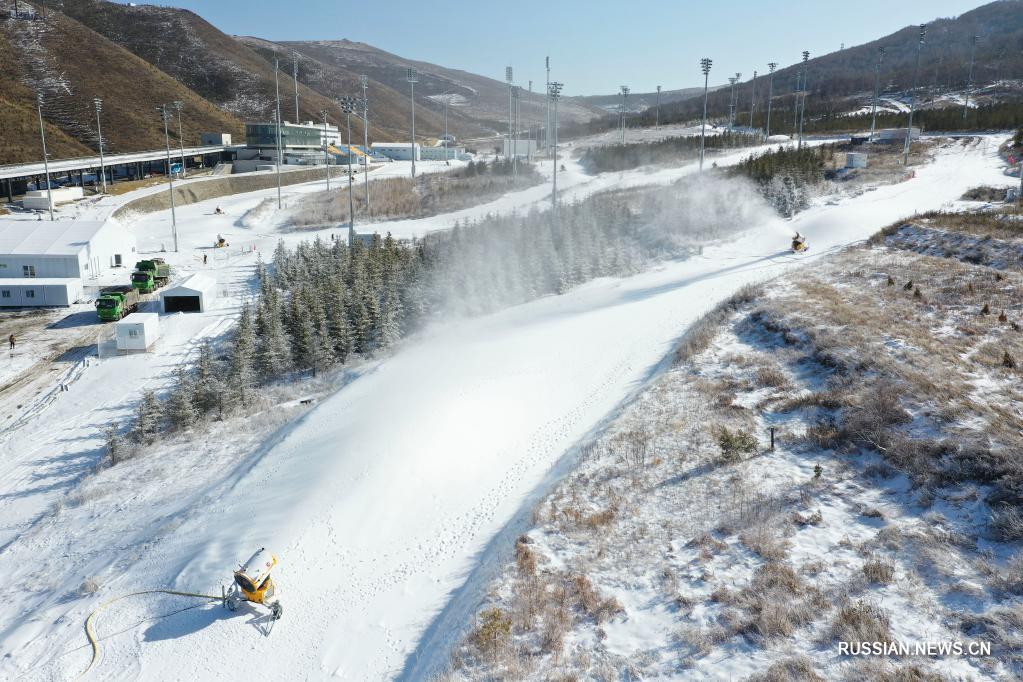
point(11, 339)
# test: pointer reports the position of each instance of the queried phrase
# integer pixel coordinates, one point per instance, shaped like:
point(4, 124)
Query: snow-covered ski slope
point(382, 500)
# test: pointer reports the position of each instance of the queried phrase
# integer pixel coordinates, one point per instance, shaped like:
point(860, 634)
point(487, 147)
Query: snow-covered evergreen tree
point(180, 409)
point(148, 419)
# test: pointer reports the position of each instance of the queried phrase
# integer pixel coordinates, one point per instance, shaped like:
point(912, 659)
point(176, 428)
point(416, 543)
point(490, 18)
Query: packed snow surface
point(381, 499)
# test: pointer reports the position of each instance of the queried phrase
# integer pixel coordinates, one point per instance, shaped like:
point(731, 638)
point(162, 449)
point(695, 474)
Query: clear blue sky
point(595, 45)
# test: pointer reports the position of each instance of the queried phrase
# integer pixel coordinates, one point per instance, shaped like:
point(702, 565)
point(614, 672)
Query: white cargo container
point(137, 332)
point(37, 199)
point(39, 291)
point(855, 160)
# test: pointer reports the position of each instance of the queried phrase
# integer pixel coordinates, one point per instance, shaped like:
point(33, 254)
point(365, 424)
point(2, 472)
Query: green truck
point(150, 275)
point(115, 303)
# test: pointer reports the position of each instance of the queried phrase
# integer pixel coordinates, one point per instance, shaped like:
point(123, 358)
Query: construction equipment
point(799, 243)
point(150, 275)
point(114, 303)
point(252, 583)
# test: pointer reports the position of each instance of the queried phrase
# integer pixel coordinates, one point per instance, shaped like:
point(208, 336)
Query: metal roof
point(43, 238)
point(193, 283)
point(24, 170)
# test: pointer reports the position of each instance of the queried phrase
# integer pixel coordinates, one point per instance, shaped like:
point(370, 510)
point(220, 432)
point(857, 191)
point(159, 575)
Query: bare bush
point(879, 571)
point(861, 621)
point(795, 669)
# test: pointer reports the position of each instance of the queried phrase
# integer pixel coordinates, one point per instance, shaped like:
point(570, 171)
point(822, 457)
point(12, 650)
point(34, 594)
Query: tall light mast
point(294, 71)
point(877, 91)
point(412, 76)
point(178, 105)
point(555, 93)
point(802, 109)
point(912, 94)
point(770, 97)
point(969, 81)
point(46, 156)
point(705, 65)
point(165, 115)
point(99, 133)
point(364, 81)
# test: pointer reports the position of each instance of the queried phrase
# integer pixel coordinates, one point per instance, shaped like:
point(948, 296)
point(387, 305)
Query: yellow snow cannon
point(220, 243)
point(252, 583)
point(799, 243)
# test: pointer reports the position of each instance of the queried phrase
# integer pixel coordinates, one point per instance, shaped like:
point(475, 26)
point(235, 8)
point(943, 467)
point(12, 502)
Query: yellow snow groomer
point(252, 583)
point(799, 243)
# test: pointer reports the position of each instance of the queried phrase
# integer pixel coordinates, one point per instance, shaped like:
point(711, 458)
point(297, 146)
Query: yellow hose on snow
point(91, 634)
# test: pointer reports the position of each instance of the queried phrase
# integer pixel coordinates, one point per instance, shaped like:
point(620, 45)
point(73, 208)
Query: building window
point(28, 270)
point(117, 260)
point(133, 333)
point(30, 293)
point(6, 293)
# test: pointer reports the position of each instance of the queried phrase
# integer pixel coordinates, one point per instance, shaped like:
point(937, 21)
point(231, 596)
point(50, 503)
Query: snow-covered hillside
point(382, 499)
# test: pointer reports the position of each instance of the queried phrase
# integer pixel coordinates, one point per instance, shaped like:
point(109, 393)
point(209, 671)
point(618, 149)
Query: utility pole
point(770, 97)
point(753, 100)
point(969, 81)
point(705, 65)
point(412, 76)
point(364, 80)
point(170, 176)
point(46, 157)
point(657, 119)
point(348, 106)
point(277, 120)
point(326, 151)
point(877, 91)
point(555, 93)
point(99, 133)
point(298, 118)
point(802, 110)
point(732, 80)
point(178, 105)
point(912, 94)
point(625, 104)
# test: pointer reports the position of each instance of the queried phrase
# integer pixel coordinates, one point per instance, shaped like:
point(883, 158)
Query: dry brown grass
point(861, 621)
point(880, 571)
point(794, 669)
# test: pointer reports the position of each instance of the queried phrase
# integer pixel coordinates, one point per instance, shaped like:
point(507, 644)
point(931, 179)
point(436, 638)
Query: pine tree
point(273, 355)
point(148, 418)
point(180, 409)
point(117, 449)
point(242, 370)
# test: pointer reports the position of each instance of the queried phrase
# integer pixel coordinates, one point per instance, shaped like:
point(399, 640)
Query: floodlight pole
point(912, 94)
point(412, 76)
point(178, 105)
point(625, 102)
point(326, 151)
point(170, 176)
point(514, 120)
point(877, 91)
point(802, 109)
point(277, 120)
point(969, 81)
point(529, 129)
point(770, 97)
point(348, 105)
point(554, 93)
point(547, 126)
point(753, 100)
point(99, 132)
point(705, 65)
point(657, 117)
point(364, 80)
point(298, 117)
point(508, 76)
point(46, 158)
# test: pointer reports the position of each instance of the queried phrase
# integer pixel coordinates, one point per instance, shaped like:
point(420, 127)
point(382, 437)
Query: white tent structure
point(191, 295)
point(73, 248)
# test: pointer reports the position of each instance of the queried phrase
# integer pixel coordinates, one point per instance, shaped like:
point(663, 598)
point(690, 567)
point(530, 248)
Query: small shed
point(191, 295)
point(39, 291)
point(137, 332)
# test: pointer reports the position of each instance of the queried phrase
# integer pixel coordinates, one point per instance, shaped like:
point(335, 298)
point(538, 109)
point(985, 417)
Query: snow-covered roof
point(392, 145)
point(38, 281)
point(140, 318)
point(193, 283)
point(43, 238)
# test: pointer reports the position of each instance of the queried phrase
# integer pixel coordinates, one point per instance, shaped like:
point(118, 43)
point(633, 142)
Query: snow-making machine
point(252, 582)
point(799, 243)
